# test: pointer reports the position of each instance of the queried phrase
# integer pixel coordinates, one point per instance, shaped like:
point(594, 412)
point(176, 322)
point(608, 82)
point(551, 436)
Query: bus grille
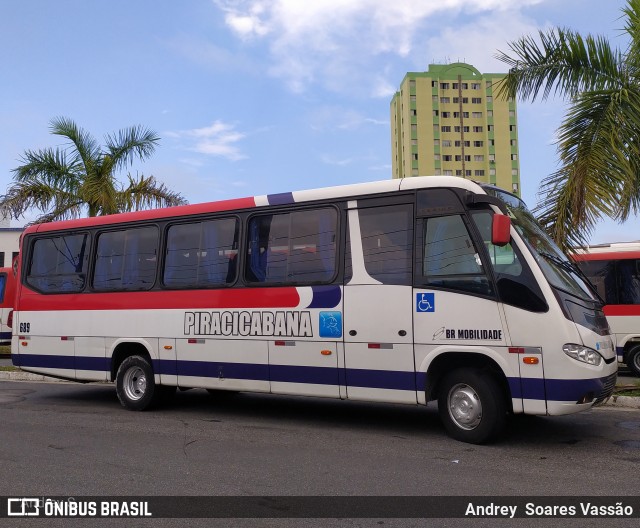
point(607, 389)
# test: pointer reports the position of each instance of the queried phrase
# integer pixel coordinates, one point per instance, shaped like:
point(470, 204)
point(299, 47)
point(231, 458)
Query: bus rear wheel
point(135, 384)
point(472, 406)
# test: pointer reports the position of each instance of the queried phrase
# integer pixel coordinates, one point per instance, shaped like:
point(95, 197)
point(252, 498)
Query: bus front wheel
point(472, 406)
point(135, 384)
point(633, 360)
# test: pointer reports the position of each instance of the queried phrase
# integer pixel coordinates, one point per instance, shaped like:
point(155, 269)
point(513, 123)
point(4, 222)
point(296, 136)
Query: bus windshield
point(557, 268)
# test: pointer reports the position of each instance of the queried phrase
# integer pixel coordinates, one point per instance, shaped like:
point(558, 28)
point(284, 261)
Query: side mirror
point(500, 230)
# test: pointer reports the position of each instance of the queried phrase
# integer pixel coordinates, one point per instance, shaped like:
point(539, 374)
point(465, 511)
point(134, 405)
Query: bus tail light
point(528, 360)
point(10, 319)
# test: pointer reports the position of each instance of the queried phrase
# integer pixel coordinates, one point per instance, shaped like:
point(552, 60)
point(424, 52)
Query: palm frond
point(37, 194)
point(49, 164)
point(131, 143)
point(59, 212)
point(87, 149)
point(145, 192)
point(560, 61)
point(586, 186)
point(631, 12)
point(69, 182)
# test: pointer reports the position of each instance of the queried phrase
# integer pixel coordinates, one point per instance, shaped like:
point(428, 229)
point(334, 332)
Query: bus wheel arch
point(132, 371)
point(124, 350)
point(472, 393)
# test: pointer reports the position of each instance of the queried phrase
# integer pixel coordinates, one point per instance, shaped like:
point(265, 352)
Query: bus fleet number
point(25, 328)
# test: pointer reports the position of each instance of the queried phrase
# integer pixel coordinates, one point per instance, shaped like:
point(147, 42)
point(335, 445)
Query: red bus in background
point(7, 298)
point(614, 269)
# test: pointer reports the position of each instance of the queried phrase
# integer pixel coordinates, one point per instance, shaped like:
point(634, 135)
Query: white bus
point(405, 291)
point(614, 269)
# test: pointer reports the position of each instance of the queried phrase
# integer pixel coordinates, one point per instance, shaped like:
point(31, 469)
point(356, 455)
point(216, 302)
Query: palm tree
point(599, 138)
point(69, 182)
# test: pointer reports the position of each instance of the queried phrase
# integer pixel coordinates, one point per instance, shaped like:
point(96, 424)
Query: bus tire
point(633, 360)
point(472, 406)
point(135, 384)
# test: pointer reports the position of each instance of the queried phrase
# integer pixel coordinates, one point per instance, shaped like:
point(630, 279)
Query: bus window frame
point(30, 241)
point(122, 228)
point(240, 221)
point(454, 209)
point(292, 208)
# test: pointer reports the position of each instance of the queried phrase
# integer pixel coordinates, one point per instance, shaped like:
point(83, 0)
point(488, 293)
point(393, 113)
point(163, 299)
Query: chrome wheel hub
point(135, 383)
point(464, 406)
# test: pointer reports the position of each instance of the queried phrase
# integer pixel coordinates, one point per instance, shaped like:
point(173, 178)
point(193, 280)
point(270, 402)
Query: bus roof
point(326, 193)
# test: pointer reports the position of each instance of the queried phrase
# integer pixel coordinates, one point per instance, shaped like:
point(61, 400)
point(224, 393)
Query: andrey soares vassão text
point(583, 509)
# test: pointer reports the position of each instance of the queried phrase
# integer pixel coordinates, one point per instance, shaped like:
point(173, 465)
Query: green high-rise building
point(449, 121)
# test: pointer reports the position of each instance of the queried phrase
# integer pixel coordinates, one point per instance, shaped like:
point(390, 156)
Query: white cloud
point(385, 167)
point(204, 52)
point(340, 42)
point(482, 39)
point(328, 117)
point(217, 139)
point(332, 160)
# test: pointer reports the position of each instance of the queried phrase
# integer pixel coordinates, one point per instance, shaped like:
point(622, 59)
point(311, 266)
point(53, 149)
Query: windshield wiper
point(572, 267)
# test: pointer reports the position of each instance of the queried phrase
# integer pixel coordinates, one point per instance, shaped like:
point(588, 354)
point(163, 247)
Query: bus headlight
point(582, 353)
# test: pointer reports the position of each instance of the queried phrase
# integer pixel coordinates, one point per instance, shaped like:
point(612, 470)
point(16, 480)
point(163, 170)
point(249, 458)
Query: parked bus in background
point(403, 291)
point(614, 270)
point(7, 294)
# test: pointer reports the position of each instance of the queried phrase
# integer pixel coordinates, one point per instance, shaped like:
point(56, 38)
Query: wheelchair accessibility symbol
point(425, 302)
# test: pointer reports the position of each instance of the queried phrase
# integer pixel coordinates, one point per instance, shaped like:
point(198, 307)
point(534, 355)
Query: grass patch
point(9, 368)
point(632, 389)
point(5, 349)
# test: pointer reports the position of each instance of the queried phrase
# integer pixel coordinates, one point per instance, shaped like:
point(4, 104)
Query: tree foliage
point(80, 179)
point(599, 138)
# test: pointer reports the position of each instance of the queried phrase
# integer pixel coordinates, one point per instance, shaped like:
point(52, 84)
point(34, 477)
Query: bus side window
point(516, 284)
point(59, 264)
point(629, 282)
point(602, 274)
point(201, 254)
point(450, 258)
point(126, 260)
point(297, 247)
point(387, 243)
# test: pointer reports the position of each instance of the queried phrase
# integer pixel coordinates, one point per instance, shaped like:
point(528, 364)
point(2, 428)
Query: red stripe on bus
point(622, 309)
point(174, 213)
point(159, 300)
point(607, 255)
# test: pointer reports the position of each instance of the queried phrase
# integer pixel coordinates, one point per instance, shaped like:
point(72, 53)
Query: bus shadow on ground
point(262, 410)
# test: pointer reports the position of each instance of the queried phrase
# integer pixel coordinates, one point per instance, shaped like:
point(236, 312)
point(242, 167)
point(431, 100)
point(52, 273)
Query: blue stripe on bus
point(42, 361)
point(92, 363)
point(325, 296)
point(216, 369)
point(620, 352)
point(381, 379)
point(62, 362)
point(573, 390)
point(6, 336)
point(555, 389)
point(280, 199)
point(527, 388)
point(297, 374)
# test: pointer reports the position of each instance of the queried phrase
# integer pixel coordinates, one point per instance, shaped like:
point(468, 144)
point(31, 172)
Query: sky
point(256, 97)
